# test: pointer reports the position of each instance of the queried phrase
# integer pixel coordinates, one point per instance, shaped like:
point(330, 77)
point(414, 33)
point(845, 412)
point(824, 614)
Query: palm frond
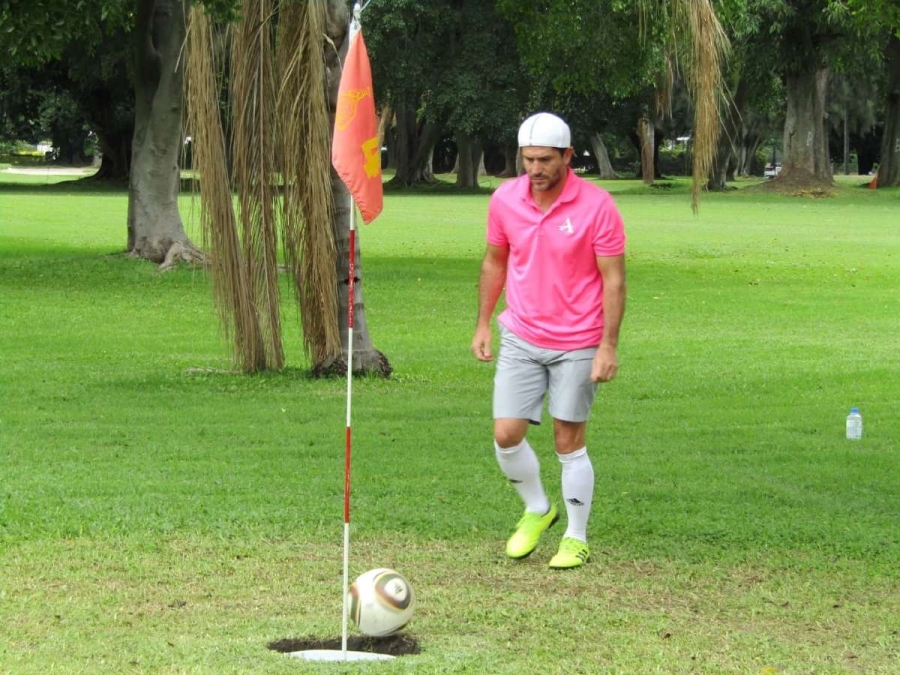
point(254, 150)
point(308, 208)
point(231, 292)
point(698, 41)
point(703, 61)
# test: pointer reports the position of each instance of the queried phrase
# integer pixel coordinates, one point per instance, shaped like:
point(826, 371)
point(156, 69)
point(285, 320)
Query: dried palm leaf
point(701, 46)
point(308, 231)
point(708, 46)
point(254, 147)
point(231, 289)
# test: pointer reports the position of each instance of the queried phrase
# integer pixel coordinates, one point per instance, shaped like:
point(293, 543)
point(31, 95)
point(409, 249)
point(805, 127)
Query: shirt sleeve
point(609, 239)
point(496, 236)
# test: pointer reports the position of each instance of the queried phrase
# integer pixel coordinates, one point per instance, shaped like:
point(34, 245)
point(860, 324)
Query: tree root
point(369, 362)
point(182, 252)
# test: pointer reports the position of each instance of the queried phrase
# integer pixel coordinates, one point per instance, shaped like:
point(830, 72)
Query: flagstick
point(347, 446)
point(326, 654)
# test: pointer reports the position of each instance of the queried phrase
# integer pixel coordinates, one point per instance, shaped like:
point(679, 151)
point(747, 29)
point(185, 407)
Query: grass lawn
point(159, 516)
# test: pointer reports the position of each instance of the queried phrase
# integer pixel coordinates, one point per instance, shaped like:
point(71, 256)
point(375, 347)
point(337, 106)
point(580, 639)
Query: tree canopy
point(469, 70)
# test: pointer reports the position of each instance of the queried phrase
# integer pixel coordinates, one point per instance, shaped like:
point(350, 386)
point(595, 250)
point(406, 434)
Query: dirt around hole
point(394, 645)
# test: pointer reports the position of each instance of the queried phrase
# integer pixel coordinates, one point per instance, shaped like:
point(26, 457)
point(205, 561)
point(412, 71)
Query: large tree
point(889, 168)
point(812, 39)
point(155, 229)
point(406, 39)
point(877, 28)
point(143, 37)
point(479, 104)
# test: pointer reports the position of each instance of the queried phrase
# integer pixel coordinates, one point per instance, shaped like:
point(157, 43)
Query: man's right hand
point(481, 344)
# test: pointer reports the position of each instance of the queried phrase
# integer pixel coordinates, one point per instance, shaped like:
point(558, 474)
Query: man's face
point(545, 166)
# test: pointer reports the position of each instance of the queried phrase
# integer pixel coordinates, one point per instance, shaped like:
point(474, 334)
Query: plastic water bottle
point(854, 425)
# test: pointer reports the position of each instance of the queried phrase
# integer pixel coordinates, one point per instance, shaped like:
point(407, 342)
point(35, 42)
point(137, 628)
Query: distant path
point(51, 171)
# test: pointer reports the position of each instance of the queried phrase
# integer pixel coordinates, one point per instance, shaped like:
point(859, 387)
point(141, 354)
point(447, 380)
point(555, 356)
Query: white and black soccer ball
point(381, 602)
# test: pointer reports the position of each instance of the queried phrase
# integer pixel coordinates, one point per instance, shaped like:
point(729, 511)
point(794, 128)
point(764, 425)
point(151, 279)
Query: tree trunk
point(385, 134)
point(604, 166)
point(646, 135)
point(805, 139)
point(718, 172)
point(731, 171)
point(366, 359)
point(510, 152)
point(115, 156)
point(467, 148)
point(423, 160)
point(750, 142)
point(414, 148)
point(69, 149)
point(742, 160)
point(404, 138)
point(155, 230)
point(390, 140)
point(428, 167)
point(725, 151)
point(889, 168)
point(100, 106)
point(658, 139)
point(846, 143)
point(478, 169)
point(385, 119)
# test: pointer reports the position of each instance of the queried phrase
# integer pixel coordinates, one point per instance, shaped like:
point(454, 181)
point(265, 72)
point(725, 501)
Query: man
point(557, 244)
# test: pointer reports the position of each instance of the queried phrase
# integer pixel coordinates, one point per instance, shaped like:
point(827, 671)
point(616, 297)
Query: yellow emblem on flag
point(347, 105)
point(372, 153)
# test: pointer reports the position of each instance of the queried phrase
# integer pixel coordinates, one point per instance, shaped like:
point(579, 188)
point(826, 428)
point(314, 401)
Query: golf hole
point(393, 645)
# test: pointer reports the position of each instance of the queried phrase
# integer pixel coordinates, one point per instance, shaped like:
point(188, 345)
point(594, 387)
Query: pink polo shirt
point(554, 291)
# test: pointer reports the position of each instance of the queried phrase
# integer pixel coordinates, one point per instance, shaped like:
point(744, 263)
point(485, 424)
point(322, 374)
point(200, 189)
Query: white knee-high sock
point(520, 465)
point(578, 491)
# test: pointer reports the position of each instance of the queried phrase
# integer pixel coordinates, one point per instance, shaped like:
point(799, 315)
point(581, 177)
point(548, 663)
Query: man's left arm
point(606, 363)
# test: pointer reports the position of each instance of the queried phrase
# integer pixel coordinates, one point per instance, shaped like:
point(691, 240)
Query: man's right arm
point(490, 285)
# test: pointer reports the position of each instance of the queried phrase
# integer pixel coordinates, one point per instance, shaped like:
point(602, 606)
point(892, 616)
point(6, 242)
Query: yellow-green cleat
point(572, 553)
point(528, 532)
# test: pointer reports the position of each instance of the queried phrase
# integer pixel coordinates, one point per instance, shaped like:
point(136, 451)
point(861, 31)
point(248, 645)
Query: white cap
point(546, 130)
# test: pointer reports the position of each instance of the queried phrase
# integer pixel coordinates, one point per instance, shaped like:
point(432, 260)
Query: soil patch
point(394, 645)
point(797, 183)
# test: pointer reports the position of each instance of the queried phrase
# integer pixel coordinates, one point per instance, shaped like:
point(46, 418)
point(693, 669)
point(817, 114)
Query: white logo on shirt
point(567, 227)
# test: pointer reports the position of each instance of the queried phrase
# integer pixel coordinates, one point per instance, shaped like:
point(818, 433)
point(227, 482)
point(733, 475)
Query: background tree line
point(454, 77)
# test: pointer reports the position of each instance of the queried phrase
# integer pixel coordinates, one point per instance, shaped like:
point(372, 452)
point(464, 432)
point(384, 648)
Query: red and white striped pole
point(348, 435)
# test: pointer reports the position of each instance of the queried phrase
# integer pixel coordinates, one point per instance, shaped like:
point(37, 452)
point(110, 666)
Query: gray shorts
point(526, 372)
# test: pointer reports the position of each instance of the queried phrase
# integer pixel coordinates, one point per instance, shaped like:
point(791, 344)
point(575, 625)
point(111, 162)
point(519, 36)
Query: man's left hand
point(606, 364)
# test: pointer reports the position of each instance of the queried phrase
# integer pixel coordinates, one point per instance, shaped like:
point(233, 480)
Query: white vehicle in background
point(771, 171)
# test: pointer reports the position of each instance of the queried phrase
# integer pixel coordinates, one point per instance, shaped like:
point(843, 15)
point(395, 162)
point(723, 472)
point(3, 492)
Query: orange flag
point(355, 150)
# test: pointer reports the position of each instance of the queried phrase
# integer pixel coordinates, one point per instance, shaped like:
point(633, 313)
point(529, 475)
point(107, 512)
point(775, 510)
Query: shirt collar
point(570, 191)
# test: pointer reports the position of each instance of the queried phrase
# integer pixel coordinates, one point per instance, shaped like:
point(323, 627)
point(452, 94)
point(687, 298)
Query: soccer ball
point(381, 602)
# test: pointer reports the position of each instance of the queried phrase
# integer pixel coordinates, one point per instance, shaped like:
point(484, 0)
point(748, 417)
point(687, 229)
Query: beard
point(543, 182)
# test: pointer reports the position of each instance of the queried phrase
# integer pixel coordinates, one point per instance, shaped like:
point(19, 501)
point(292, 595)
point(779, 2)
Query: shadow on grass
point(87, 185)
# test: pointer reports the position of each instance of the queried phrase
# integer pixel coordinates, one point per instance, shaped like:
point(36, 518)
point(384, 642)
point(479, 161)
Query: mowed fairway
point(158, 515)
